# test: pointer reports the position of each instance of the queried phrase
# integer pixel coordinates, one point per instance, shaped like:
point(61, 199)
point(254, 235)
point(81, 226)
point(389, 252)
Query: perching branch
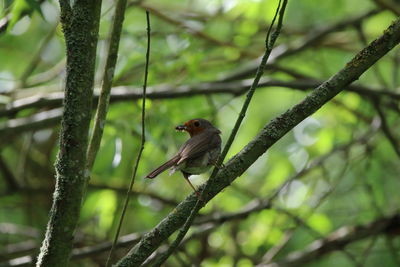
point(214, 220)
point(260, 204)
point(80, 27)
point(269, 135)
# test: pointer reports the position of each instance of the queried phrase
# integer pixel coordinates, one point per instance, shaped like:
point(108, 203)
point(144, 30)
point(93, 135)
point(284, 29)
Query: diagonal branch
point(389, 5)
point(10, 179)
point(386, 129)
point(142, 141)
point(260, 204)
point(268, 136)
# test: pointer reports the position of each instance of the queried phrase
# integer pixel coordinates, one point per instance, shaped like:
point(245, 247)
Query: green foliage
point(22, 7)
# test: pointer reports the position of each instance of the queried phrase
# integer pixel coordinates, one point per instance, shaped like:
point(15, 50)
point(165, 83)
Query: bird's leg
point(194, 189)
point(186, 176)
point(216, 165)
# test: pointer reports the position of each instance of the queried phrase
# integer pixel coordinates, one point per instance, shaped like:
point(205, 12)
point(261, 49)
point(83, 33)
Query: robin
point(197, 154)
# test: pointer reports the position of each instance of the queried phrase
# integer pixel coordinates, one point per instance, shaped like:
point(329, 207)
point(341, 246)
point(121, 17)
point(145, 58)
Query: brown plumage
point(197, 154)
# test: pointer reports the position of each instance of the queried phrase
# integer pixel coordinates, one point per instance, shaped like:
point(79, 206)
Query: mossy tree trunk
point(80, 23)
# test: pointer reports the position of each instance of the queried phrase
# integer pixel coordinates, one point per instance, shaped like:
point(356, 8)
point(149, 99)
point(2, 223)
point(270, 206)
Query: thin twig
point(200, 232)
point(182, 232)
point(122, 190)
point(10, 179)
point(379, 212)
point(363, 39)
point(193, 31)
point(386, 129)
point(269, 42)
point(37, 56)
point(389, 5)
point(142, 143)
point(395, 69)
point(104, 97)
point(282, 51)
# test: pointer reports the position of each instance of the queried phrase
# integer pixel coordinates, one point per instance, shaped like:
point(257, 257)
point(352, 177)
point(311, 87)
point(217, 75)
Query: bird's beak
point(181, 128)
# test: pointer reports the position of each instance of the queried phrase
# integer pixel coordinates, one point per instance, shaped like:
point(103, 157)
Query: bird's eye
point(196, 123)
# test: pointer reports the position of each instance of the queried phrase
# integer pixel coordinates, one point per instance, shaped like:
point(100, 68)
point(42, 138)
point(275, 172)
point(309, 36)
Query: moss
point(80, 31)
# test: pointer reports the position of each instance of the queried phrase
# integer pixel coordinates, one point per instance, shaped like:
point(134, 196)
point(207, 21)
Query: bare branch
point(123, 93)
point(9, 177)
point(235, 88)
point(142, 140)
point(386, 129)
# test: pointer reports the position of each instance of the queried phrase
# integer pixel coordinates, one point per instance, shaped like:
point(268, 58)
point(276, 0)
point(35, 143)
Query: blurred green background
point(342, 163)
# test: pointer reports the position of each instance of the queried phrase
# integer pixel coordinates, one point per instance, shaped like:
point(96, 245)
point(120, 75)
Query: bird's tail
point(163, 167)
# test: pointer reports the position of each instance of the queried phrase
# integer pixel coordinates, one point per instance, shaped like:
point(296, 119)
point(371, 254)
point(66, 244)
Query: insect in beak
point(181, 128)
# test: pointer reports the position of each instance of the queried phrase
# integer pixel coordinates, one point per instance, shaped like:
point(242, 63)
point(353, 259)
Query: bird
point(197, 154)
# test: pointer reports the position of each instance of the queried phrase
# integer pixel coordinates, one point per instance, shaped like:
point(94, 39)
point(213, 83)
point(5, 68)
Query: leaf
point(35, 6)
point(22, 8)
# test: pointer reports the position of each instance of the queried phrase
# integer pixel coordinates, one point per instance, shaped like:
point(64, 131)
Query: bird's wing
point(198, 144)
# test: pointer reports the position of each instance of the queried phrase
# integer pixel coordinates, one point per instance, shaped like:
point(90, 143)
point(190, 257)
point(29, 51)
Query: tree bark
point(80, 25)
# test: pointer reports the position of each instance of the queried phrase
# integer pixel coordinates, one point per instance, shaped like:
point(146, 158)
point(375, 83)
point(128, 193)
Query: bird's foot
point(219, 166)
